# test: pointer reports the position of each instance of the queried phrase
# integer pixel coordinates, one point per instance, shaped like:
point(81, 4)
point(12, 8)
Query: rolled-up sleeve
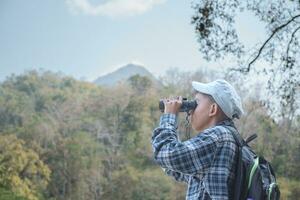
point(190, 157)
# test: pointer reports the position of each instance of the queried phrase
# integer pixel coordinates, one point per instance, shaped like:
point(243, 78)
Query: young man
point(207, 161)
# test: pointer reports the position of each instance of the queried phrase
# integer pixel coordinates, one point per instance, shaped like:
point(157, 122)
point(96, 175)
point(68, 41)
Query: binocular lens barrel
point(186, 105)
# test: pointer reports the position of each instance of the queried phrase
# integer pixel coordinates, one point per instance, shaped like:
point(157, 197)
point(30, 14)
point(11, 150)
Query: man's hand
point(172, 105)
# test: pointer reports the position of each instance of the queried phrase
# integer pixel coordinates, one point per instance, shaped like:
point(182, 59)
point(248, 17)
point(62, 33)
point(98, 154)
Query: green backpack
point(255, 178)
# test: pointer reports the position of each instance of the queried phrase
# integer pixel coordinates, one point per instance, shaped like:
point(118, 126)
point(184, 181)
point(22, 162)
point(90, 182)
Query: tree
point(95, 140)
point(140, 83)
point(131, 183)
point(9, 195)
point(217, 36)
point(77, 169)
point(21, 169)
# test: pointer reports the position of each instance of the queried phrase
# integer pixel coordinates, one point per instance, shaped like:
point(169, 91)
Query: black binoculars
point(186, 106)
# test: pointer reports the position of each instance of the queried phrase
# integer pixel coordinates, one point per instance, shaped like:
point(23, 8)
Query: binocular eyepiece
point(186, 106)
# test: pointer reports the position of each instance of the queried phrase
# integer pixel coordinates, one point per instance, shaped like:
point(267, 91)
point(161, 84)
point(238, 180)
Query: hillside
point(123, 73)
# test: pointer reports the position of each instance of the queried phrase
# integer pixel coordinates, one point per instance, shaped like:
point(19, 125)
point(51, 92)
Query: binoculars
point(186, 106)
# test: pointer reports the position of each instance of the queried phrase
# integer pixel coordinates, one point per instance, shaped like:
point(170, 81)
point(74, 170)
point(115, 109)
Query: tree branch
point(267, 41)
point(292, 37)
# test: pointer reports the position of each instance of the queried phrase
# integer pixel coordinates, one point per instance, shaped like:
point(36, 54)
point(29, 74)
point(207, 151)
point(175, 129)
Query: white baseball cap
point(224, 95)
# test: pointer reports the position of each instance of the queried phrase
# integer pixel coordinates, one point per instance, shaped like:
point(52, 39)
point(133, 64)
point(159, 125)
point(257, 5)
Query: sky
point(90, 38)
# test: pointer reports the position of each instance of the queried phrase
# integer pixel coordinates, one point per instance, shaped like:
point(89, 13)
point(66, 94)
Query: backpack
point(255, 178)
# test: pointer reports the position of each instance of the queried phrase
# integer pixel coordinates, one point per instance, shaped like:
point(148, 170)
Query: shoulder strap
point(237, 137)
point(240, 177)
point(251, 137)
point(239, 184)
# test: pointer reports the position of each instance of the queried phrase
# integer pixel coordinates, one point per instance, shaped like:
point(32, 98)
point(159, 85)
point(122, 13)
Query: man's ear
point(213, 110)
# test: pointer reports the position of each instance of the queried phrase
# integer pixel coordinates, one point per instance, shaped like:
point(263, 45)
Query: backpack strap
point(251, 137)
point(239, 175)
point(237, 137)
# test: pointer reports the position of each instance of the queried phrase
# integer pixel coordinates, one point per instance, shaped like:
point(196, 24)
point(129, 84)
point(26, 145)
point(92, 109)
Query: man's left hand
point(172, 105)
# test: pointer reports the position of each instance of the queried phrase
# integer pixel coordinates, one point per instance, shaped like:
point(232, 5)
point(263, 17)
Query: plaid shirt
point(205, 162)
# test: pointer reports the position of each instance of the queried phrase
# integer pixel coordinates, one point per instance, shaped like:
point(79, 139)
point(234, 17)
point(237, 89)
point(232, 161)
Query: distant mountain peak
point(123, 73)
point(135, 68)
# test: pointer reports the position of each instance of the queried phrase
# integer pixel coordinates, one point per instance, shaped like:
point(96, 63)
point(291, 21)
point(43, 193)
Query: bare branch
point(292, 37)
point(270, 37)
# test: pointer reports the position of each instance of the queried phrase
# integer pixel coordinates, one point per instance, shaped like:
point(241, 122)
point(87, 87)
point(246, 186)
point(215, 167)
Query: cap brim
point(201, 87)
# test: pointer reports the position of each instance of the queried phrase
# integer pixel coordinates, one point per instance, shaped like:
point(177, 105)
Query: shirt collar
point(227, 122)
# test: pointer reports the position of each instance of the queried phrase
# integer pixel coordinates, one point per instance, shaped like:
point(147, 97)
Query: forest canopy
point(61, 138)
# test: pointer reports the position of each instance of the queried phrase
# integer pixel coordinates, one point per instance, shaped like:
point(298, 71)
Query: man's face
point(200, 116)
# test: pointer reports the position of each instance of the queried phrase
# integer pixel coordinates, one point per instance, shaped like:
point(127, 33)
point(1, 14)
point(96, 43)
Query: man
point(207, 161)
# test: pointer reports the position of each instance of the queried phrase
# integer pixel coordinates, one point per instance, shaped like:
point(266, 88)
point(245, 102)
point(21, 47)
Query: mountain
point(123, 73)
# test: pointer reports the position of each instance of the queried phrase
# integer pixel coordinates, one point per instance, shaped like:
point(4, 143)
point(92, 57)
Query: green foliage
point(21, 169)
point(96, 141)
point(140, 83)
point(77, 168)
point(9, 195)
point(289, 188)
point(130, 183)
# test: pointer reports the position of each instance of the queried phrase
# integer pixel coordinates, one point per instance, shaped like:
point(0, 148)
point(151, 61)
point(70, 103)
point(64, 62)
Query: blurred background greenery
point(61, 138)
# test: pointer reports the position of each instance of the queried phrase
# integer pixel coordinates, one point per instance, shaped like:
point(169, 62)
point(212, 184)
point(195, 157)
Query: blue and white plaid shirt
point(205, 162)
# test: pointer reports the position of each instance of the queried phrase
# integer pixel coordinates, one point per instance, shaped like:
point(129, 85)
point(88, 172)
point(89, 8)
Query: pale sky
point(89, 38)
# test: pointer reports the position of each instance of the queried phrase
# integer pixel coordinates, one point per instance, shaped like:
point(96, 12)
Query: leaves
point(96, 141)
point(277, 57)
point(21, 169)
